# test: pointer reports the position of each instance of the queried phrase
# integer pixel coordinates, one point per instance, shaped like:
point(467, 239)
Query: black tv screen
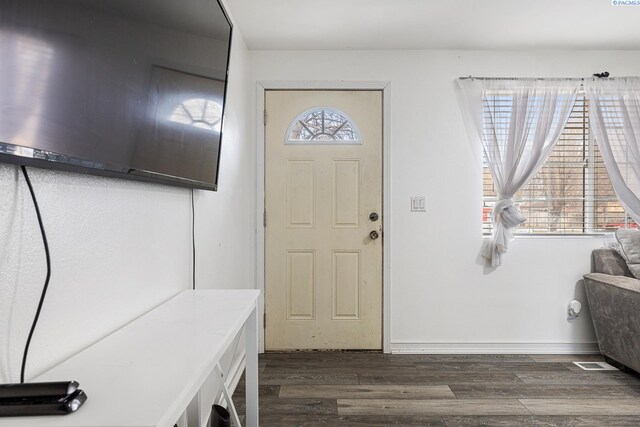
point(127, 88)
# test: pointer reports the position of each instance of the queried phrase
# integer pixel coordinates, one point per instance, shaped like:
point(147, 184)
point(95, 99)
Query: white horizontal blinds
point(488, 198)
point(608, 212)
point(571, 193)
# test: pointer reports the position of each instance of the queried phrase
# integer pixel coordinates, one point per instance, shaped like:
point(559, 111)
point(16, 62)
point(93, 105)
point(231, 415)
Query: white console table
point(149, 371)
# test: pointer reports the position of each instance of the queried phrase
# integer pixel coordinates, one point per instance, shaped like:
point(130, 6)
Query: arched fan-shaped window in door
point(323, 126)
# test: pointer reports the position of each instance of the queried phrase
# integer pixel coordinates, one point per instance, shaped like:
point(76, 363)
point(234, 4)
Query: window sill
point(558, 236)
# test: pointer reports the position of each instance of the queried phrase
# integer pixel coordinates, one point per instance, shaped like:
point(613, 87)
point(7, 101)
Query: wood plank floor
point(374, 389)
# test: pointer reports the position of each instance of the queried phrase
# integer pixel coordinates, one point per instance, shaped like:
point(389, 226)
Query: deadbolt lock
point(373, 216)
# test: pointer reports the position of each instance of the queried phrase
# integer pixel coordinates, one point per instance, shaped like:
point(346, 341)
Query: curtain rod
point(541, 78)
point(521, 78)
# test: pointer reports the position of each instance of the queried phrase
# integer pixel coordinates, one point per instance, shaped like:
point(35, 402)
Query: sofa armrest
point(622, 282)
point(614, 303)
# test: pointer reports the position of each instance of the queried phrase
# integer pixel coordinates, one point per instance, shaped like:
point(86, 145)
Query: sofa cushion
point(609, 261)
point(630, 243)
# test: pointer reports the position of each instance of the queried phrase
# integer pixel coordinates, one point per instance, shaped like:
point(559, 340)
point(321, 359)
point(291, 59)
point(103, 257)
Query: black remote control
point(59, 388)
point(43, 405)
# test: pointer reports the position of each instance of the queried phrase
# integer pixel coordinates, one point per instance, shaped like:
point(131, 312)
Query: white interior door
point(323, 232)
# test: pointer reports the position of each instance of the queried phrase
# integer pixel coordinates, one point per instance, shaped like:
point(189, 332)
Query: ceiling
point(443, 24)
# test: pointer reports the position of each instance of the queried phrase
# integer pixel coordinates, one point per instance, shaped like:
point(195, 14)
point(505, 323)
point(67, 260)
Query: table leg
point(251, 373)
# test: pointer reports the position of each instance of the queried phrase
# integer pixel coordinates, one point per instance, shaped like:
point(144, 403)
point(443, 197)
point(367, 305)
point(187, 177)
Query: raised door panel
point(301, 284)
point(346, 285)
point(346, 193)
point(300, 193)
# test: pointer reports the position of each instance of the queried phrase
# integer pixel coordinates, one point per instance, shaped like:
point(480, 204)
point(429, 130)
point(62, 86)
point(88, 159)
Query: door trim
point(385, 87)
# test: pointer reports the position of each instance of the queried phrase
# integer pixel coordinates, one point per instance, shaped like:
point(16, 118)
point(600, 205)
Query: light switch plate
point(418, 204)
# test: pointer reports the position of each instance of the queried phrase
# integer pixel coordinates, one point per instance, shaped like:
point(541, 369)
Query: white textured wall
point(440, 296)
point(119, 248)
point(226, 219)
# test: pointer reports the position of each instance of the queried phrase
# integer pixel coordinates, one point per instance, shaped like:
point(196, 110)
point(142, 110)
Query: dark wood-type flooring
point(374, 389)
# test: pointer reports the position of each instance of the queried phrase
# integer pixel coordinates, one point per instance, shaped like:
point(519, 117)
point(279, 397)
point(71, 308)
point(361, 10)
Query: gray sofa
point(614, 301)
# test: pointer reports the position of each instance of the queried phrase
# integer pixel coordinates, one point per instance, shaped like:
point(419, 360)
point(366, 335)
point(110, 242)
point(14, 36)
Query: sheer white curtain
point(615, 121)
point(518, 122)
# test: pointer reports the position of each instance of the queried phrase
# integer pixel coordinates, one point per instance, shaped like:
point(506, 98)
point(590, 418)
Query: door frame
point(385, 87)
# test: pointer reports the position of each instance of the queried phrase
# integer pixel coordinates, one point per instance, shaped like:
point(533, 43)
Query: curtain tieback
point(506, 212)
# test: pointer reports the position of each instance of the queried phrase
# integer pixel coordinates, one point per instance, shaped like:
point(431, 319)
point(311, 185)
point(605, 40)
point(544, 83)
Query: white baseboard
point(405, 347)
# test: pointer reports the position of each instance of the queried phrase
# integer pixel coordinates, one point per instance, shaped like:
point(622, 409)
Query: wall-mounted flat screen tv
point(126, 88)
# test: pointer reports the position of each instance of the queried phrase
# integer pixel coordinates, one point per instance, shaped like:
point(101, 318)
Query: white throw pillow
point(630, 243)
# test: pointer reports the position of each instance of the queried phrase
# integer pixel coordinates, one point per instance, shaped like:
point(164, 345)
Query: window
point(323, 126)
point(571, 193)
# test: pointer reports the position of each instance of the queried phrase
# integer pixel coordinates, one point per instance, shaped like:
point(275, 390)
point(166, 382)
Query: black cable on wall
point(46, 281)
point(48, 261)
point(193, 240)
